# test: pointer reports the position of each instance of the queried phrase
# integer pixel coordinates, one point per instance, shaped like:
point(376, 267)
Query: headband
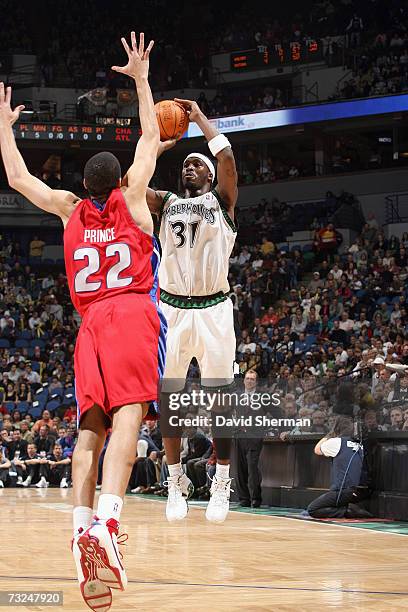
point(204, 159)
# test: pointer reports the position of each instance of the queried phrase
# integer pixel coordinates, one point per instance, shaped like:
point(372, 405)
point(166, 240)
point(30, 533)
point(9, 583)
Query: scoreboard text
point(277, 55)
point(61, 132)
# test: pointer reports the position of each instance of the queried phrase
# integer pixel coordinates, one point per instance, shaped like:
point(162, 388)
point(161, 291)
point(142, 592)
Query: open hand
point(138, 58)
point(7, 115)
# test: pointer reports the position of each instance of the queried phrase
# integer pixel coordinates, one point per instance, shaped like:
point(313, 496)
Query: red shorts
point(117, 353)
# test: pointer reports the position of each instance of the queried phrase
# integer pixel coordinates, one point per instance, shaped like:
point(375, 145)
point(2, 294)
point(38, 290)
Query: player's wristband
point(218, 143)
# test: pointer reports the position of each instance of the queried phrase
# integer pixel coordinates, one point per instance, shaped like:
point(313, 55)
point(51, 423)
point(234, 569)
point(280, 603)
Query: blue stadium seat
point(53, 405)
point(35, 366)
point(56, 393)
point(21, 343)
point(284, 248)
point(296, 247)
point(42, 396)
point(69, 396)
point(37, 342)
point(60, 262)
point(23, 407)
point(396, 299)
point(4, 343)
point(36, 410)
point(48, 261)
point(10, 406)
point(26, 334)
point(307, 248)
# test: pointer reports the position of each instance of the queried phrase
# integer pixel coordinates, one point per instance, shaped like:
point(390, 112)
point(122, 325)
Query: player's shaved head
point(102, 173)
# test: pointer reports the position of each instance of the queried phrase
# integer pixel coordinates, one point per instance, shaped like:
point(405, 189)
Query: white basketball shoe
point(180, 489)
point(218, 506)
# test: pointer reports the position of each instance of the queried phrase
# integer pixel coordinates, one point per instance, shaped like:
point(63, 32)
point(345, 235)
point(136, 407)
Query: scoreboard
point(277, 55)
point(75, 132)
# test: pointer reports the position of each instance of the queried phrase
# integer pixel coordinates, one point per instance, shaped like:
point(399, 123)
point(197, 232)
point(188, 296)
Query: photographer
point(347, 471)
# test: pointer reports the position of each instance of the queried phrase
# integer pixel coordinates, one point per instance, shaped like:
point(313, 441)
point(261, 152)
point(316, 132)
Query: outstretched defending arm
point(227, 178)
point(154, 198)
point(144, 163)
point(56, 201)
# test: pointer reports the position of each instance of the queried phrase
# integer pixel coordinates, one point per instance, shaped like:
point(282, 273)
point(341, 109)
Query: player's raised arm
point(56, 201)
point(144, 163)
point(154, 198)
point(227, 177)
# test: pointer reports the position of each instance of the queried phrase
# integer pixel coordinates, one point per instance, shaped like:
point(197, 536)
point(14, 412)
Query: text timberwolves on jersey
point(197, 238)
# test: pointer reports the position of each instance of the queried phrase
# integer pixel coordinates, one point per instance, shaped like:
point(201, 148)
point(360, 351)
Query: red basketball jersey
point(106, 253)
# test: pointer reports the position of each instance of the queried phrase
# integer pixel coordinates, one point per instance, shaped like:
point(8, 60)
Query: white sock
point(82, 517)
point(175, 469)
point(109, 506)
point(222, 471)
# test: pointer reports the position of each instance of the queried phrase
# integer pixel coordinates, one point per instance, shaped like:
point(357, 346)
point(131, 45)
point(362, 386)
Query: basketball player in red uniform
point(111, 260)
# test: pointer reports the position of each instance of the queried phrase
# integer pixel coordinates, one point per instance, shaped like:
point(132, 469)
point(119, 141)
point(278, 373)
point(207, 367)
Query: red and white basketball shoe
point(100, 544)
point(95, 593)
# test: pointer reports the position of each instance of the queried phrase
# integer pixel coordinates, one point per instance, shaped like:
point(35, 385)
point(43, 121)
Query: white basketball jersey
point(197, 237)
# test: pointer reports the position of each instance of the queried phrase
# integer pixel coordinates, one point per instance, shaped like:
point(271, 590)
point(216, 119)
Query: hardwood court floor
point(250, 563)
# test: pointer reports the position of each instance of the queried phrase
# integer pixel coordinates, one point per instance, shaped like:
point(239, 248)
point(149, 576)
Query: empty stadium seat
point(35, 410)
point(56, 393)
point(41, 396)
point(10, 406)
point(53, 405)
point(23, 407)
point(68, 396)
point(26, 334)
point(4, 343)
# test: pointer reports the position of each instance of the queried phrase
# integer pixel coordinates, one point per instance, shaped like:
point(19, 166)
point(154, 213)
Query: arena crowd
point(306, 320)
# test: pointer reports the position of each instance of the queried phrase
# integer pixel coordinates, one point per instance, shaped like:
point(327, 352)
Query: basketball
point(172, 118)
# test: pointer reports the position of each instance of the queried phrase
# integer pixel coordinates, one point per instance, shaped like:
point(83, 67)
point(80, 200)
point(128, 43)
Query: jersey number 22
point(82, 285)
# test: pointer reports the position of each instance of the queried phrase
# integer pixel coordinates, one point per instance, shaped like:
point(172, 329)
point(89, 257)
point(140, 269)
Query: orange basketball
point(172, 119)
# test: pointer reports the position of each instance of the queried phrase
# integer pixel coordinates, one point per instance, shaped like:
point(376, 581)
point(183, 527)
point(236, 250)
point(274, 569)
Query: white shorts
point(204, 333)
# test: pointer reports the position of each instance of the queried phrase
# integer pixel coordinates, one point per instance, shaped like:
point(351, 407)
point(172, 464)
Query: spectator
point(328, 241)
point(55, 470)
point(354, 31)
point(18, 446)
point(28, 467)
point(45, 420)
point(36, 247)
point(43, 440)
point(5, 465)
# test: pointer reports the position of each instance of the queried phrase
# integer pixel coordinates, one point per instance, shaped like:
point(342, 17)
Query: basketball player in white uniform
point(197, 234)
